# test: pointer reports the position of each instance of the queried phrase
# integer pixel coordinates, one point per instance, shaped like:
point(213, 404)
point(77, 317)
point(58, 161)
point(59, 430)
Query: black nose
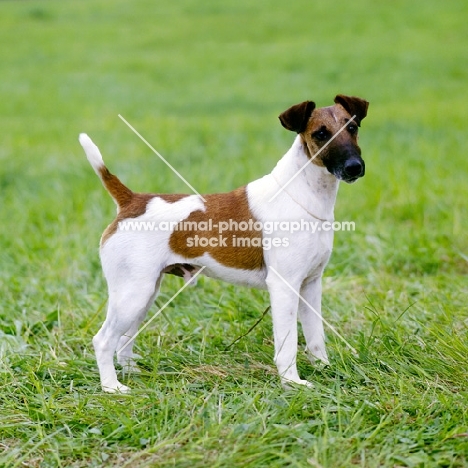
point(354, 168)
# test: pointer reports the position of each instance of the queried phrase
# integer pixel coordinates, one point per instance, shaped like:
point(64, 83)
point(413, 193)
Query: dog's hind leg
point(125, 355)
point(128, 305)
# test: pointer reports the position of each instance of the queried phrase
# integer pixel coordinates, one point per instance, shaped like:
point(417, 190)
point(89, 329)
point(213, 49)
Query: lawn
point(204, 83)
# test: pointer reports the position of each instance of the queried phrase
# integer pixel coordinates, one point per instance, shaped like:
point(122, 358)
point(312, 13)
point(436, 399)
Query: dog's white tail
point(121, 194)
point(92, 153)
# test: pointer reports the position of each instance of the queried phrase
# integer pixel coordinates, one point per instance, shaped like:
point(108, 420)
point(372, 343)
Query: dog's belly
point(213, 269)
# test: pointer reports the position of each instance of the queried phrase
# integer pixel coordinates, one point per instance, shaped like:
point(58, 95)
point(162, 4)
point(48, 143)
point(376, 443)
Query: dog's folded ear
point(296, 117)
point(353, 105)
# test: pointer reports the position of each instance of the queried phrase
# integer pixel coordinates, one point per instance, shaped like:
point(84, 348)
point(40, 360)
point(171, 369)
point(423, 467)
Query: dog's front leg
point(310, 316)
point(284, 305)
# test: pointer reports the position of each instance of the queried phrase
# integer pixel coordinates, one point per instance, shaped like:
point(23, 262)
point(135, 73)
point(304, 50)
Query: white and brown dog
point(134, 261)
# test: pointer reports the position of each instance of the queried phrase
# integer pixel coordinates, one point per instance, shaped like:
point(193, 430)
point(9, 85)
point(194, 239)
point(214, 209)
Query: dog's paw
point(118, 388)
point(294, 384)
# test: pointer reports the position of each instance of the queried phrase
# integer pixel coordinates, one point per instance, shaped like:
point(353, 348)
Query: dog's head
point(330, 134)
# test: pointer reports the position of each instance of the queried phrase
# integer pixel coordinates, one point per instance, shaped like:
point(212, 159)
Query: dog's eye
point(321, 135)
point(352, 128)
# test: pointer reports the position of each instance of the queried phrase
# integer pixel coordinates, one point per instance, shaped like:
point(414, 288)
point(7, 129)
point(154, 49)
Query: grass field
point(204, 82)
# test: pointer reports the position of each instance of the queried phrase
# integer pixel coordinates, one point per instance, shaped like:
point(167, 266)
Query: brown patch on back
point(243, 254)
point(136, 206)
point(130, 204)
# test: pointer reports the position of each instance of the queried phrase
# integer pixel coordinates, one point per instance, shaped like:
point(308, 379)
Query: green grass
point(204, 83)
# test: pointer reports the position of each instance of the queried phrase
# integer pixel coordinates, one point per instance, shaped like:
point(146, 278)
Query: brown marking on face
point(135, 207)
point(323, 124)
point(221, 207)
point(324, 139)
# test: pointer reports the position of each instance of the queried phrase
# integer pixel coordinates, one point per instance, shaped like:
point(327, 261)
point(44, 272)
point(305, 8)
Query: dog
point(301, 188)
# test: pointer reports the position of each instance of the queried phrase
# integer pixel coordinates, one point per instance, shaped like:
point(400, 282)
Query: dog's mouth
point(351, 181)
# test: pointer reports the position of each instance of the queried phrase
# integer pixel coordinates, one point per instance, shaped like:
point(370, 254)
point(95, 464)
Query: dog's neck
point(314, 187)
